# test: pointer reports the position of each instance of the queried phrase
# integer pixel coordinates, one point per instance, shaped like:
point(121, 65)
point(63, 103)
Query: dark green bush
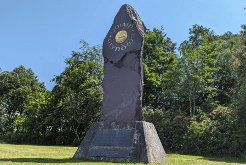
point(76, 142)
point(216, 133)
point(210, 133)
point(171, 127)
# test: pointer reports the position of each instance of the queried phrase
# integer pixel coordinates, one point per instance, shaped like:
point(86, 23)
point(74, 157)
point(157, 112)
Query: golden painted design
point(121, 36)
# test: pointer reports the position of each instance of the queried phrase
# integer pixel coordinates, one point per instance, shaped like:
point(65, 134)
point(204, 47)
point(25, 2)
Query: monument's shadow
point(45, 160)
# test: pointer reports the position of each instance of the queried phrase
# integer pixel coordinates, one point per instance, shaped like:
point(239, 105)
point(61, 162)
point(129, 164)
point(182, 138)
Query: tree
point(240, 74)
point(227, 80)
point(17, 89)
point(80, 86)
point(199, 67)
point(83, 109)
point(161, 70)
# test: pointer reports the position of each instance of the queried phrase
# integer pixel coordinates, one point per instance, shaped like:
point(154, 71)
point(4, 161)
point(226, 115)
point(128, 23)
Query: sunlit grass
point(179, 159)
point(34, 154)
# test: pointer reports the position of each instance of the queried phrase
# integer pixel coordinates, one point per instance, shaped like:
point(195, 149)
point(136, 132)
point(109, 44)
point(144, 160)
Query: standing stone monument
point(122, 135)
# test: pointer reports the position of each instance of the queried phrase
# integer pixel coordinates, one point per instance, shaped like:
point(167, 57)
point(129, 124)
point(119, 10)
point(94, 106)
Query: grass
point(34, 154)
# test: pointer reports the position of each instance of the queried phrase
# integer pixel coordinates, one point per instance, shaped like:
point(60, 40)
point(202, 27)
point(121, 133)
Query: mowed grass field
point(33, 154)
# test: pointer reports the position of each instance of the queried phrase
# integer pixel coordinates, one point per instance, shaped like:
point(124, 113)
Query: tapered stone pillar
point(122, 135)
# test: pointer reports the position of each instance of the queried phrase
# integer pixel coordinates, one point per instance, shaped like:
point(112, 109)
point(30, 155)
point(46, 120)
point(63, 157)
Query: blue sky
point(40, 34)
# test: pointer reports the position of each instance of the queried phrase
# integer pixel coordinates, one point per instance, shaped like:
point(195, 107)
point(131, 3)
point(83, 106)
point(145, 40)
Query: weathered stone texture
point(145, 144)
point(121, 135)
point(123, 69)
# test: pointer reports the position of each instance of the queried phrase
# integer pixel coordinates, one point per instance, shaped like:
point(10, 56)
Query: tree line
point(194, 94)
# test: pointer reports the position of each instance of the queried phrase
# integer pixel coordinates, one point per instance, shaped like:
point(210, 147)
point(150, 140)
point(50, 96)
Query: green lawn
point(33, 154)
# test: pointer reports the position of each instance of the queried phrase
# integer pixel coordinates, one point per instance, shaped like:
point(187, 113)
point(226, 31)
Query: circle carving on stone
point(121, 36)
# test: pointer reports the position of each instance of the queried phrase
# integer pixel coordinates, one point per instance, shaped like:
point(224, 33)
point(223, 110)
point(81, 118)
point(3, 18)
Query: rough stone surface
point(123, 69)
point(121, 135)
point(145, 144)
point(155, 150)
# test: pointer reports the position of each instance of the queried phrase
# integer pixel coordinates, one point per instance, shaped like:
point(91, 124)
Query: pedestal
point(122, 142)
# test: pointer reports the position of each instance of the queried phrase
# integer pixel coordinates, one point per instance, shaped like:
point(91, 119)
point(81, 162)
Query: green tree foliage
point(240, 74)
point(1, 111)
point(30, 114)
point(212, 133)
point(226, 79)
point(161, 70)
point(80, 88)
point(213, 77)
point(17, 89)
point(170, 125)
point(196, 101)
point(39, 125)
point(199, 68)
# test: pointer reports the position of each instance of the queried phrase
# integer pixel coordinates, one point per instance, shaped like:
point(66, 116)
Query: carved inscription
point(119, 153)
point(113, 138)
point(129, 33)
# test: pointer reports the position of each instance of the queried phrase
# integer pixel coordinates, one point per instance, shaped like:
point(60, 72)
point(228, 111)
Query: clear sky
point(40, 34)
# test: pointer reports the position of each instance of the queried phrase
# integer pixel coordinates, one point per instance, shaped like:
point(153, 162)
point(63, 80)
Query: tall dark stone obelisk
point(122, 135)
point(123, 68)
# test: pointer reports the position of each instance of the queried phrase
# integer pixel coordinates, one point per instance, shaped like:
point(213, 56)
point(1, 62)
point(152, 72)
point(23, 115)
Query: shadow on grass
point(47, 160)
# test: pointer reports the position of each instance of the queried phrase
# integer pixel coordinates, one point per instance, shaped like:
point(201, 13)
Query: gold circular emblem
point(121, 36)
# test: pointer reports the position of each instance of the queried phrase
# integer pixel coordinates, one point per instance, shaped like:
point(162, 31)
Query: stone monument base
point(122, 142)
